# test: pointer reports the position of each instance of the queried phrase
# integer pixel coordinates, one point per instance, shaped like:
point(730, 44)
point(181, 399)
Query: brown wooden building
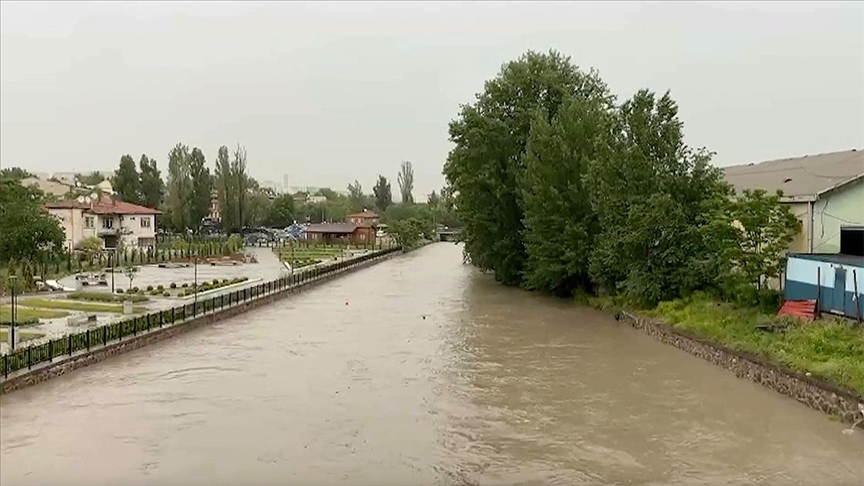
point(341, 233)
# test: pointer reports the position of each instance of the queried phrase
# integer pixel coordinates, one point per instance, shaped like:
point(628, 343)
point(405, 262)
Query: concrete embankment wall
point(814, 393)
point(61, 365)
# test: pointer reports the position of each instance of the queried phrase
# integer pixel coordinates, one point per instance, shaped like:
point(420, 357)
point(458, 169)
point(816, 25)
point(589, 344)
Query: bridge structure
point(447, 234)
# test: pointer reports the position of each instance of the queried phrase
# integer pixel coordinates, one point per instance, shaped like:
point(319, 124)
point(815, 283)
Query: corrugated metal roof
point(851, 260)
point(805, 176)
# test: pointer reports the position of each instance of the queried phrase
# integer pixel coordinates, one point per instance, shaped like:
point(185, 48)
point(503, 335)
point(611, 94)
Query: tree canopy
point(558, 188)
point(126, 183)
point(27, 229)
point(383, 195)
point(406, 182)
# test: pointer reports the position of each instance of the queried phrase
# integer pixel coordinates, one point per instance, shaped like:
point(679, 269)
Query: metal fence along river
point(66, 346)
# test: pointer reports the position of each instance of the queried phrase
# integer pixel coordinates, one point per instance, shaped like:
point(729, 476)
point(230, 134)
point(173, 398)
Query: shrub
point(173, 285)
point(185, 285)
point(216, 281)
point(160, 288)
point(225, 280)
point(149, 288)
point(135, 290)
point(119, 291)
point(166, 294)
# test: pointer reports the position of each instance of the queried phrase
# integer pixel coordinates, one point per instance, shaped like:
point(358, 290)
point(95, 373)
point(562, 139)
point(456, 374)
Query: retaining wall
point(61, 365)
point(814, 393)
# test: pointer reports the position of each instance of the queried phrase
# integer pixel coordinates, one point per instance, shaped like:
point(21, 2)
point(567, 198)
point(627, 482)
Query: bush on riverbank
point(215, 284)
point(830, 349)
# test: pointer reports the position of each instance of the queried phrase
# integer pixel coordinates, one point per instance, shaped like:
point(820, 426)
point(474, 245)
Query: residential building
point(115, 222)
point(825, 192)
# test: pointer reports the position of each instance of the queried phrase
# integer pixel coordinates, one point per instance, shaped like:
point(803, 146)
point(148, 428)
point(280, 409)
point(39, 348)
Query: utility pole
point(12, 281)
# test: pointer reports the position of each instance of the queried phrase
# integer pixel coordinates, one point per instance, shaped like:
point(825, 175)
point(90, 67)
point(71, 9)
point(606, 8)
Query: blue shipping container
point(837, 276)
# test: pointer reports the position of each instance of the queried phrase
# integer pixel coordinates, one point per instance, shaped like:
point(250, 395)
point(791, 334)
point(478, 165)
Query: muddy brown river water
point(418, 370)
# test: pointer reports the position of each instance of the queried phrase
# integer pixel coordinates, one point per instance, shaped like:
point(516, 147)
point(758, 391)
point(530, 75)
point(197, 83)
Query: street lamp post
point(195, 265)
point(111, 257)
point(12, 279)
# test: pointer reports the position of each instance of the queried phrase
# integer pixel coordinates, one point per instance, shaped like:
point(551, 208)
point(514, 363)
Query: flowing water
point(418, 370)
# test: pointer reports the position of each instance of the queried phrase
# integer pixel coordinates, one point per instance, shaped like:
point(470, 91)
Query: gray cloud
point(331, 92)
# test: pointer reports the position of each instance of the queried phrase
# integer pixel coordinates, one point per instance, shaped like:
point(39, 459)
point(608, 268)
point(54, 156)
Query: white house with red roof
point(112, 220)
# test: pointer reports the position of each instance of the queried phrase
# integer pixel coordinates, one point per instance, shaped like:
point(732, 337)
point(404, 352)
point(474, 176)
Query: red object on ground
point(802, 309)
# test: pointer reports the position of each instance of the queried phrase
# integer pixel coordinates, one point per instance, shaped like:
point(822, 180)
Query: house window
point(145, 222)
point(108, 223)
point(88, 221)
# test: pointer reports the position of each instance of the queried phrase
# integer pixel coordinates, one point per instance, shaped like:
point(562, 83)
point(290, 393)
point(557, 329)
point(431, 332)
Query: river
point(418, 370)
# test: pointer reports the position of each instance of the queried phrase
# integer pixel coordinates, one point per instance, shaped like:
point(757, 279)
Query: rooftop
point(343, 228)
point(103, 205)
point(364, 214)
point(838, 258)
point(800, 177)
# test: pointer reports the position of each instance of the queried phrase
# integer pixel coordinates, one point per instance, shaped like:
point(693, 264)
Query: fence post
point(88, 339)
point(5, 365)
point(161, 318)
point(69, 344)
point(104, 335)
point(29, 362)
point(173, 320)
point(51, 351)
point(134, 326)
point(148, 322)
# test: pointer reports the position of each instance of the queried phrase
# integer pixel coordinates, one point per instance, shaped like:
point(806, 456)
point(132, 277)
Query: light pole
point(111, 257)
point(195, 266)
point(12, 279)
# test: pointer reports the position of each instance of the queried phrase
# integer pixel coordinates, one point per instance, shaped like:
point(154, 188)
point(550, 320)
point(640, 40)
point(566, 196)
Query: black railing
point(108, 333)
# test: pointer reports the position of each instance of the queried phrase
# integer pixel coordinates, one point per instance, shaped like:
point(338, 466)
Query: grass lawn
point(26, 315)
point(20, 336)
point(829, 348)
point(78, 305)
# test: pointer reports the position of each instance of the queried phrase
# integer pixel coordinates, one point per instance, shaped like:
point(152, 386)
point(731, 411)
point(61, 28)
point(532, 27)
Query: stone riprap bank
point(810, 391)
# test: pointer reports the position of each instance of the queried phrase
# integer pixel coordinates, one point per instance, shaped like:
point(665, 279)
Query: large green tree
point(152, 186)
point(242, 184)
point(226, 189)
point(764, 229)
point(491, 135)
point(405, 179)
point(652, 196)
point(26, 232)
point(202, 186)
point(559, 222)
point(383, 194)
point(126, 182)
point(179, 186)
point(281, 211)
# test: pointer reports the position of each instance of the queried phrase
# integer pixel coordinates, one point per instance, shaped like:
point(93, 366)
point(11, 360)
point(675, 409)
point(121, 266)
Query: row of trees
point(560, 188)
point(142, 186)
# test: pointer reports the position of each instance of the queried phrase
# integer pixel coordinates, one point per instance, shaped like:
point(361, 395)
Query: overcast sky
point(328, 92)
